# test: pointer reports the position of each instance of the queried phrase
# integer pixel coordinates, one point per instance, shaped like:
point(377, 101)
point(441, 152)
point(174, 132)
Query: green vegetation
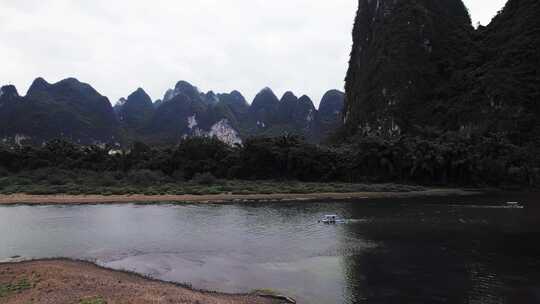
point(93, 300)
point(117, 183)
point(419, 68)
point(268, 165)
point(9, 289)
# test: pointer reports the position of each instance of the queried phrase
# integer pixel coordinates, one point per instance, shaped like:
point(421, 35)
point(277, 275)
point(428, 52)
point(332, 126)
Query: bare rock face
point(225, 132)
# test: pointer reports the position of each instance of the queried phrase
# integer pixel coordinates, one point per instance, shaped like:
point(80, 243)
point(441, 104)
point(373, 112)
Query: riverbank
point(74, 282)
point(28, 199)
point(204, 186)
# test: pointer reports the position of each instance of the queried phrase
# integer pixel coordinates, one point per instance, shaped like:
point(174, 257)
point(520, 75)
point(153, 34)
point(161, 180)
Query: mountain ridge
point(184, 111)
point(67, 109)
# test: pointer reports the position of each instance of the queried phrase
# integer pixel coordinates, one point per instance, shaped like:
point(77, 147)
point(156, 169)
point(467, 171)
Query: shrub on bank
point(204, 179)
point(145, 177)
point(445, 160)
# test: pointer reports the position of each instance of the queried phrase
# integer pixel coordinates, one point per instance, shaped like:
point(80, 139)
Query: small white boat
point(331, 219)
point(514, 205)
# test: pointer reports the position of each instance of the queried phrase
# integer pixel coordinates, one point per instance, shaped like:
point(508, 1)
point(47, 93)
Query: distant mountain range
point(420, 68)
point(72, 110)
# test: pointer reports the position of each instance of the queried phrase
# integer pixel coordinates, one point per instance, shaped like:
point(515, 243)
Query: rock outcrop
point(419, 67)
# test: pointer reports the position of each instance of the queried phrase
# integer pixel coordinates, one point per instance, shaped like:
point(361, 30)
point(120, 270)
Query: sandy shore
point(16, 199)
point(72, 282)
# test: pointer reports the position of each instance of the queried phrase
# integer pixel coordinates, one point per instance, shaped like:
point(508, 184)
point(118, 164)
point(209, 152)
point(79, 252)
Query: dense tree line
point(445, 160)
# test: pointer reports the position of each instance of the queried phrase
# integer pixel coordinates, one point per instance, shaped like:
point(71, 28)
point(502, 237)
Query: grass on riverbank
point(8, 289)
point(145, 182)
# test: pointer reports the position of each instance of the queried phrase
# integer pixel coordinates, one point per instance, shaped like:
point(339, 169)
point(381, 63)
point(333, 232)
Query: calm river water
point(432, 250)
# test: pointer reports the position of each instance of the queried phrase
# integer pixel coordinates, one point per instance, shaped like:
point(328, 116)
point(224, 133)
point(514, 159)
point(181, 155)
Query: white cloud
point(117, 46)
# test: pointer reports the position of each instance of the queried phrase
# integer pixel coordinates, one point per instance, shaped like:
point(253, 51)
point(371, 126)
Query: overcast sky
point(119, 45)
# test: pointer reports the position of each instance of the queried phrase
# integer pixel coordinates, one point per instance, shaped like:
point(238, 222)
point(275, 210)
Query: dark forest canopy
point(447, 160)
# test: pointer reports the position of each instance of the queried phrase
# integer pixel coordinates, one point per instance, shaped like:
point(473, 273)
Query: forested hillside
point(420, 68)
point(74, 111)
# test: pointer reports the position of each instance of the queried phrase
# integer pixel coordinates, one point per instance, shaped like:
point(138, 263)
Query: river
point(431, 250)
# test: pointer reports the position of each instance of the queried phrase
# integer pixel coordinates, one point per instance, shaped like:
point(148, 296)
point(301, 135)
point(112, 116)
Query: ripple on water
point(383, 253)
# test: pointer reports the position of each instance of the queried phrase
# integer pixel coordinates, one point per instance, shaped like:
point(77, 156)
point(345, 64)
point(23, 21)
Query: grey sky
point(119, 45)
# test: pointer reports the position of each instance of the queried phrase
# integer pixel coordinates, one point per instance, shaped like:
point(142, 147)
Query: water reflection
point(397, 251)
point(438, 253)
